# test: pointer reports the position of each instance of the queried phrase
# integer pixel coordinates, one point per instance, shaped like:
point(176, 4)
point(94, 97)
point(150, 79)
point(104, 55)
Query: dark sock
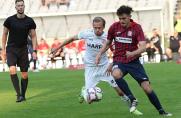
point(24, 84)
point(125, 88)
point(155, 101)
point(15, 81)
point(34, 62)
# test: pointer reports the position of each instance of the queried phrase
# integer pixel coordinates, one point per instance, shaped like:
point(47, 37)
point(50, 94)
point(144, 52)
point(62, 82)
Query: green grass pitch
point(53, 94)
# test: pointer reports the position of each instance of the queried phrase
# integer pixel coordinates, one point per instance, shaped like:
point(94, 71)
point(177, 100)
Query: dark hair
point(99, 19)
point(18, 1)
point(124, 10)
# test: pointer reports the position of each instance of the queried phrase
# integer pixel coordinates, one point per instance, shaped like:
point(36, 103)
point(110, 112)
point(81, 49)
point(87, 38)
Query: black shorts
point(18, 57)
point(174, 49)
point(134, 68)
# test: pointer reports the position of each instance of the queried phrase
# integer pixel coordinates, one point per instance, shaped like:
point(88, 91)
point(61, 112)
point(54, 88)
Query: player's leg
point(118, 72)
point(90, 81)
point(112, 82)
point(153, 98)
point(12, 61)
point(137, 71)
point(109, 79)
point(34, 64)
point(23, 63)
point(35, 69)
point(24, 84)
point(169, 53)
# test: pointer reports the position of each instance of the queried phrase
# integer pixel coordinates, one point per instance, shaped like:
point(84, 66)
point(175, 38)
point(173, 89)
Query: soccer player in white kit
point(94, 40)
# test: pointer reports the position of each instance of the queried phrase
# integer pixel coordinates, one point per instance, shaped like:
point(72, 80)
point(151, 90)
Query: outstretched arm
point(67, 41)
point(141, 49)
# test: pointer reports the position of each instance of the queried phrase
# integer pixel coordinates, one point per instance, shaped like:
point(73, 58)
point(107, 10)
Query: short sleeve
point(140, 34)
point(110, 35)
point(7, 23)
point(32, 25)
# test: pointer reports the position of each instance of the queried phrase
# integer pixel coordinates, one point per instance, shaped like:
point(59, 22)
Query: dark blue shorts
point(134, 68)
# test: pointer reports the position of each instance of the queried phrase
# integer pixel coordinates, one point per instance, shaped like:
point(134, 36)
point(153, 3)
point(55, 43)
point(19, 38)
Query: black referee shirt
point(18, 30)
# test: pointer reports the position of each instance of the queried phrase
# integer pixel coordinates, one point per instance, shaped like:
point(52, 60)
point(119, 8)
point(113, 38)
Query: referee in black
point(14, 48)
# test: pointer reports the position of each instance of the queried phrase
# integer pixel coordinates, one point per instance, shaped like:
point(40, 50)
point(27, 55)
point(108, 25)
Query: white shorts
point(93, 75)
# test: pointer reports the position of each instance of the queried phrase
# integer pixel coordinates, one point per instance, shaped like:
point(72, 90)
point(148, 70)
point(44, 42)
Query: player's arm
point(4, 40)
point(141, 49)
point(103, 50)
point(65, 42)
point(105, 47)
point(141, 43)
point(33, 38)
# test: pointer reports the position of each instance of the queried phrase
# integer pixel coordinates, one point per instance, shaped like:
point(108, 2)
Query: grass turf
point(54, 94)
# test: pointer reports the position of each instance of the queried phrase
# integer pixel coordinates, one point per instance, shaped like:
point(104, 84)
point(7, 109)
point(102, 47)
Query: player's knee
point(12, 70)
point(24, 75)
point(168, 51)
point(146, 86)
point(117, 74)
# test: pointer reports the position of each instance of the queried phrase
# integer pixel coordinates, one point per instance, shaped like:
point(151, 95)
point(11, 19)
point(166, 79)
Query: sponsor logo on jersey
point(123, 40)
point(96, 46)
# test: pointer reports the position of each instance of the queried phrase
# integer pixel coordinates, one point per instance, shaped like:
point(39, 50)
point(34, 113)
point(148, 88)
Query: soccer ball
point(98, 93)
point(94, 94)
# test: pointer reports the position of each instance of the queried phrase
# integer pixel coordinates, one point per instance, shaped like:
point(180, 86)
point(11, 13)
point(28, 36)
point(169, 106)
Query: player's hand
point(98, 57)
point(53, 51)
point(129, 54)
point(34, 55)
point(109, 70)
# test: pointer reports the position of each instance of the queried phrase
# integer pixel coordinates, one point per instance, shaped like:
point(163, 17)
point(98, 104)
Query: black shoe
point(165, 114)
point(19, 99)
point(23, 98)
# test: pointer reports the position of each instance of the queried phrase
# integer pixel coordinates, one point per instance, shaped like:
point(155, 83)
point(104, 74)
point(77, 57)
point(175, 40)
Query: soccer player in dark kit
point(129, 43)
point(17, 28)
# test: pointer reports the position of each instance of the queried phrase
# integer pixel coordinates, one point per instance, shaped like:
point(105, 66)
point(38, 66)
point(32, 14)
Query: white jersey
point(93, 44)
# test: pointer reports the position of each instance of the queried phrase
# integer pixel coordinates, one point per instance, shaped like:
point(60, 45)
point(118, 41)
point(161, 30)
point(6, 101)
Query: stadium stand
point(65, 18)
point(48, 14)
point(41, 6)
